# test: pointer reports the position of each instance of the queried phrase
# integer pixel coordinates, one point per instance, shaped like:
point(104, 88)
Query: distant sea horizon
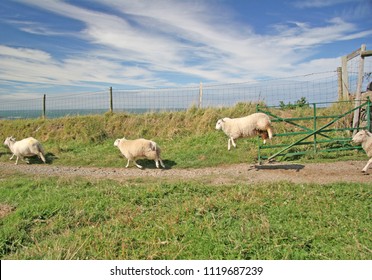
point(53, 114)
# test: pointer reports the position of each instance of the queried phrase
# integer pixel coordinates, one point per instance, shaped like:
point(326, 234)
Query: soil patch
point(321, 173)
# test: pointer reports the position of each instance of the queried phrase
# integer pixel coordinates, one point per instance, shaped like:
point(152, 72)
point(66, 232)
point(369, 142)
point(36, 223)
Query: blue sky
point(50, 46)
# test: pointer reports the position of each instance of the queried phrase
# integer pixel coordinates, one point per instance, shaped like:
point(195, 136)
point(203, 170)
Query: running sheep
point(25, 148)
point(139, 148)
point(365, 138)
point(249, 126)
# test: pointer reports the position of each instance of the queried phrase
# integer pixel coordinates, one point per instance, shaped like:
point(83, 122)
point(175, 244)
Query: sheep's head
point(117, 142)
point(219, 124)
point(361, 136)
point(9, 140)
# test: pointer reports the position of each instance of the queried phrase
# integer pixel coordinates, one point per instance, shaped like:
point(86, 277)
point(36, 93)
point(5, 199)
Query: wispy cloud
point(321, 3)
point(144, 40)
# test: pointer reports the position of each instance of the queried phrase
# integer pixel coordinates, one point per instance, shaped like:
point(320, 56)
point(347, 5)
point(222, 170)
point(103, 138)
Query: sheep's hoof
point(364, 172)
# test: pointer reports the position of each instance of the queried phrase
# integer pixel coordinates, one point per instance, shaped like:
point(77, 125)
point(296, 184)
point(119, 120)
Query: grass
point(75, 218)
point(59, 218)
point(188, 139)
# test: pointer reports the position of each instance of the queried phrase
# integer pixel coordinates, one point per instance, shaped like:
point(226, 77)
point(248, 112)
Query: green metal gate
point(312, 129)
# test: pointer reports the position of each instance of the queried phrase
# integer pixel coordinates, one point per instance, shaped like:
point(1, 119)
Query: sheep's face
point(9, 140)
point(117, 142)
point(219, 124)
point(360, 137)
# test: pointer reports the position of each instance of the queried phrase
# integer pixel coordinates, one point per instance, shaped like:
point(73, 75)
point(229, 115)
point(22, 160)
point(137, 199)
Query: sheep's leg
point(365, 169)
point(233, 143)
point(42, 157)
point(127, 164)
point(139, 166)
point(264, 136)
point(12, 157)
point(228, 144)
point(270, 132)
point(16, 161)
point(157, 163)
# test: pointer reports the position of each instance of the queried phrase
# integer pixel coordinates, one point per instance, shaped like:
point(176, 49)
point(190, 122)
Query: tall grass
point(188, 138)
point(75, 218)
point(59, 218)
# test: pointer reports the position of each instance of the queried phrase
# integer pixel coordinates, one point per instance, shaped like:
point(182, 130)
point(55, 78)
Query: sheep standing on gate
point(249, 126)
point(365, 138)
point(139, 148)
point(25, 148)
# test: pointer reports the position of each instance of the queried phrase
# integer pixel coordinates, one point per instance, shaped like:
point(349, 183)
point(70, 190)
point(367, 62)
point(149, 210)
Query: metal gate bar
point(313, 132)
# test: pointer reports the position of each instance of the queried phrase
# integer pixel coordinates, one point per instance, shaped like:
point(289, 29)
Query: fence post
point(369, 114)
point(339, 78)
point(200, 95)
point(358, 91)
point(345, 79)
point(314, 126)
point(111, 101)
point(44, 106)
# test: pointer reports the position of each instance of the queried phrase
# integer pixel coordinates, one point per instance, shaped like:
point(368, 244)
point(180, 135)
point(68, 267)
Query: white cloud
point(24, 53)
point(321, 3)
point(143, 39)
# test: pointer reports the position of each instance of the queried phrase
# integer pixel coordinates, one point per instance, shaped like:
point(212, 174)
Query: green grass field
point(44, 217)
point(188, 139)
point(57, 218)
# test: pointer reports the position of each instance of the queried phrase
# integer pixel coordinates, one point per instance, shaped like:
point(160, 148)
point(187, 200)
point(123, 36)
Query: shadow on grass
point(150, 164)
point(49, 157)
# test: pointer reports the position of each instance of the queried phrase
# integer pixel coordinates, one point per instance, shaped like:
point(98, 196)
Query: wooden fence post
point(111, 101)
point(44, 106)
point(339, 78)
point(358, 94)
point(200, 95)
point(345, 79)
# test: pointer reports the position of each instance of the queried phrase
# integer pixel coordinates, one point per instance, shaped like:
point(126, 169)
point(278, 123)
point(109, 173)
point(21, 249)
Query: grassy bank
point(59, 218)
point(188, 138)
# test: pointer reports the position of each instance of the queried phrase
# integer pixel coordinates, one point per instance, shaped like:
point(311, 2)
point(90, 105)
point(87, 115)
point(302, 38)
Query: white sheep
point(25, 148)
point(365, 138)
point(249, 126)
point(139, 148)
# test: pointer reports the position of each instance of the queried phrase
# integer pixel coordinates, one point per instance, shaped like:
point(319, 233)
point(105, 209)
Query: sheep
point(249, 126)
point(365, 137)
point(139, 148)
point(25, 148)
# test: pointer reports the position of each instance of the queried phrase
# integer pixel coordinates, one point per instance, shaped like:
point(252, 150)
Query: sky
point(56, 46)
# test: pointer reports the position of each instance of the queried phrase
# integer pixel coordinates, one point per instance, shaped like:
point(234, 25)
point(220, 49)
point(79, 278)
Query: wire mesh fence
point(352, 73)
point(315, 87)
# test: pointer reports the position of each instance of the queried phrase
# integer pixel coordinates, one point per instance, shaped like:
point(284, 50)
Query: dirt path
point(343, 171)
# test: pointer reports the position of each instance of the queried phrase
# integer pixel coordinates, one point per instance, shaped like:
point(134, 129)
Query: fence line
point(315, 87)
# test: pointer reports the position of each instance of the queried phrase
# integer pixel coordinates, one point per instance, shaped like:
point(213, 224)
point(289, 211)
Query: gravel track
point(343, 171)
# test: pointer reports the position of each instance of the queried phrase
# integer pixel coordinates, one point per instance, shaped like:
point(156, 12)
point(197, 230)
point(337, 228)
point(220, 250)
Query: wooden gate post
point(358, 94)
